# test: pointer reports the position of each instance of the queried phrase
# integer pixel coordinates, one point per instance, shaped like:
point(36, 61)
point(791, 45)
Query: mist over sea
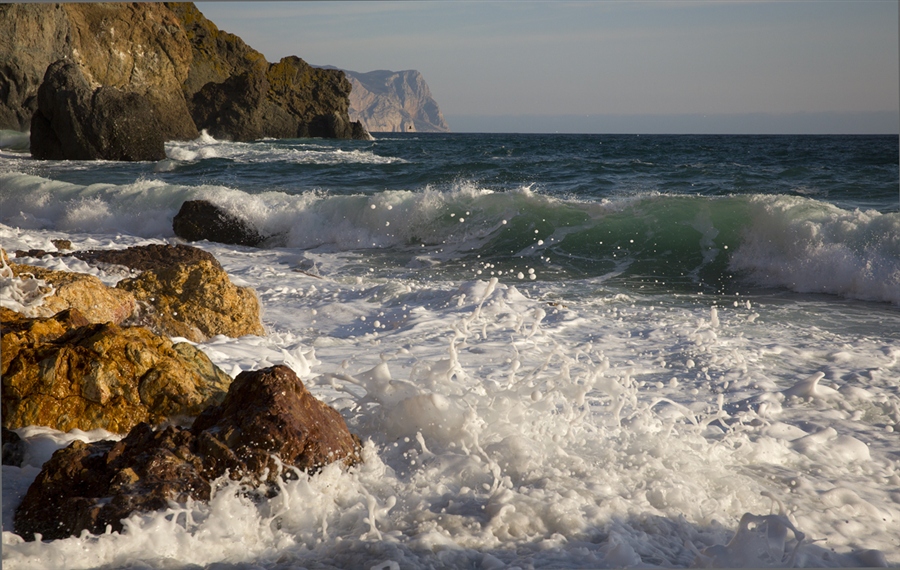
point(558, 350)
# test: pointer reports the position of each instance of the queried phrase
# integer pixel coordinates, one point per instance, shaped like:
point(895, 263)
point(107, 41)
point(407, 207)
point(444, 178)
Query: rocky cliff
point(394, 101)
point(121, 79)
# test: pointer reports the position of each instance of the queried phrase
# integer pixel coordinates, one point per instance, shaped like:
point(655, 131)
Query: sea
point(559, 351)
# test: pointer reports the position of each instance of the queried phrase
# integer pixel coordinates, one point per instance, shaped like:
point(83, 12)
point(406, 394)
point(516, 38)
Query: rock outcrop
point(66, 373)
point(394, 102)
point(115, 90)
point(202, 220)
point(234, 93)
point(121, 79)
point(195, 301)
point(180, 291)
point(266, 413)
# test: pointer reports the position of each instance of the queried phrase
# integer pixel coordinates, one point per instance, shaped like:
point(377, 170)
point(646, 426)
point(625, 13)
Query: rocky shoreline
point(90, 356)
point(115, 81)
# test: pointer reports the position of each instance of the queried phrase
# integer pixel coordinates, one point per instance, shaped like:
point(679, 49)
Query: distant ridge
point(394, 102)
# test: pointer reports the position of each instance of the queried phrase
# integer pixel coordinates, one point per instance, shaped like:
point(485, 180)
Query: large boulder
point(75, 122)
point(202, 220)
point(66, 373)
point(195, 301)
point(267, 414)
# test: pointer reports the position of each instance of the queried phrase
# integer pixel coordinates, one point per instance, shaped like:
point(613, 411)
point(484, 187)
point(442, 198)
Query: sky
point(665, 66)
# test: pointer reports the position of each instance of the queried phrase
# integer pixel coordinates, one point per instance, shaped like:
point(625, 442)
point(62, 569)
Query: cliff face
point(140, 49)
point(394, 101)
point(163, 69)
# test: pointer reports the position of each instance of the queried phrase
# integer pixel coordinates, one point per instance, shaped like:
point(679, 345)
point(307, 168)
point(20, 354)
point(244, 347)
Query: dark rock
point(269, 413)
point(199, 219)
point(235, 94)
point(148, 257)
point(13, 448)
point(75, 122)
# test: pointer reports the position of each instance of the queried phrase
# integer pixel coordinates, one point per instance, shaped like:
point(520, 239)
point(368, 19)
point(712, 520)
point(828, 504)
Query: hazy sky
point(604, 66)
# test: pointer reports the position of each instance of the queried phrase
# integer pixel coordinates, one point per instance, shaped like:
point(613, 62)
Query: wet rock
point(97, 302)
point(271, 411)
point(13, 448)
point(202, 220)
point(268, 413)
point(195, 301)
point(65, 373)
point(147, 257)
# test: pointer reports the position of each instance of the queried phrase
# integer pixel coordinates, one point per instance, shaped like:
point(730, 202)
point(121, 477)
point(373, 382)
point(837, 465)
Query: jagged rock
point(394, 101)
point(65, 373)
point(266, 413)
point(31, 37)
point(199, 219)
point(13, 448)
point(195, 301)
point(93, 299)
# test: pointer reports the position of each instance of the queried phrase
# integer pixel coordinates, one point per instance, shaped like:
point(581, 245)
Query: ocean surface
point(581, 351)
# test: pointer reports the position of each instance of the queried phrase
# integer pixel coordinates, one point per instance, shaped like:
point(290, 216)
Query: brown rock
point(99, 375)
point(146, 257)
point(94, 300)
point(268, 413)
point(195, 301)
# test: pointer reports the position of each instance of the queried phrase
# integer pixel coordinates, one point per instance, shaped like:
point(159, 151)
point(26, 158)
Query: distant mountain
point(394, 102)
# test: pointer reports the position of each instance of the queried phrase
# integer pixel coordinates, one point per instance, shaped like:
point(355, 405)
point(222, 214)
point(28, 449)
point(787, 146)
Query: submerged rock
point(266, 413)
point(65, 373)
point(202, 220)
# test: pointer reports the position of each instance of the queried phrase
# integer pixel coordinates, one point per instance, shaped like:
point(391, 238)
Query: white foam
point(814, 247)
point(502, 429)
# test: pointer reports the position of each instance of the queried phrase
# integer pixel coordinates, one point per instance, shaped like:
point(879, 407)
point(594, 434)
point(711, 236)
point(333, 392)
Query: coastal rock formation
point(181, 291)
point(64, 290)
point(113, 88)
point(266, 413)
point(75, 122)
point(195, 301)
point(199, 219)
point(394, 102)
point(66, 373)
point(121, 79)
point(234, 93)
